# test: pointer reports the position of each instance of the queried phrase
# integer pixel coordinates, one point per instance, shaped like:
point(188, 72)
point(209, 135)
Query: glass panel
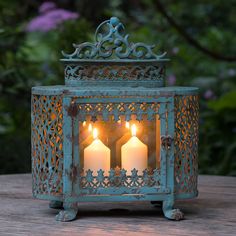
point(119, 144)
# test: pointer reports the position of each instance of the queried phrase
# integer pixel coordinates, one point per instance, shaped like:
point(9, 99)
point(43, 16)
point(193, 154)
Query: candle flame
point(133, 130)
point(95, 133)
point(127, 124)
point(90, 128)
point(84, 123)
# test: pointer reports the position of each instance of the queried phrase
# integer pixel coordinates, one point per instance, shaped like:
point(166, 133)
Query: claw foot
point(66, 215)
point(176, 214)
point(69, 213)
point(56, 204)
point(170, 213)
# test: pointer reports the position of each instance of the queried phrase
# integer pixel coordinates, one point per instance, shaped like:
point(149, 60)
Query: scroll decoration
point(111, 42)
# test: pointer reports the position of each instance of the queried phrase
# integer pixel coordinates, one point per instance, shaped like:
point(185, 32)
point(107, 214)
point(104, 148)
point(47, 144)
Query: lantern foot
point(56, 204)
point(69, 213)
point(170, 213)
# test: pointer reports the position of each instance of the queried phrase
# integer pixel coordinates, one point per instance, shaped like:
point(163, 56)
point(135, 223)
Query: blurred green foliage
point(32, 58)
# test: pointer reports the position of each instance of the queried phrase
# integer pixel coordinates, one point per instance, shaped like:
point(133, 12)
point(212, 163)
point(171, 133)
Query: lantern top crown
point(112, 60)
point(112, 43)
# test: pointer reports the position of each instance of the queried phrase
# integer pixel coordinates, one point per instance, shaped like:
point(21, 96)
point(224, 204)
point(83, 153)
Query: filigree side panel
point(119, 181)
point(47, 145)
point(186, 144)
point(114, 73)
point(93, 110)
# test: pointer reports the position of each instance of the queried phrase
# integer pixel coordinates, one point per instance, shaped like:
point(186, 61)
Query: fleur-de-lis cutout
point(156, 176)
point(116, 115)
point(127, 115)
point(111, 176)
point(89, 175)
point(134, 172)
point(139, 116)
point(123, 176)
point(105, 115)
point(134, 175)
point(100, 176)
point(123, 173)
point(150, 114)
point(145, 177)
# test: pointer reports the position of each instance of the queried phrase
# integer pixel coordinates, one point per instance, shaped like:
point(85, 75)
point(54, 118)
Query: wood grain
point(212, 213)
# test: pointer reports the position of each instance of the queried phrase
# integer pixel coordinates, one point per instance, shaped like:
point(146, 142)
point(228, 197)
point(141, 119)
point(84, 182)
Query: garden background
point(199, 36)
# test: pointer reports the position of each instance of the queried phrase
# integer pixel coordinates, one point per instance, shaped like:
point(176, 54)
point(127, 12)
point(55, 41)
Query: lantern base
point(56, 204)
point(69, 213)
point(170, 213)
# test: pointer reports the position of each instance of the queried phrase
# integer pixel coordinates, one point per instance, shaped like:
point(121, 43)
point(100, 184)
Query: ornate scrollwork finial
point(111, 42)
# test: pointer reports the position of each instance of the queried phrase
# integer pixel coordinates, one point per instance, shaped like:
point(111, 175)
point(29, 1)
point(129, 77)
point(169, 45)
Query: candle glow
point(95, 133)
point(133, 130)
point(134, 153)
point(90, 128)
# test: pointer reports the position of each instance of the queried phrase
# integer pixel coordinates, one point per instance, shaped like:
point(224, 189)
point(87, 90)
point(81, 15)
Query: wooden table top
point(212, 213)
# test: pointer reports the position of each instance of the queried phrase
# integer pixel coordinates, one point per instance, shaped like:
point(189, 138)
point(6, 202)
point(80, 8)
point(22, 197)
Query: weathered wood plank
point(212, 213)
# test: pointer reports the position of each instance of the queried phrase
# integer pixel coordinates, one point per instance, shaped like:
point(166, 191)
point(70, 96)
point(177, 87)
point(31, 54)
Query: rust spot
point(72, 110)
point(73, 174)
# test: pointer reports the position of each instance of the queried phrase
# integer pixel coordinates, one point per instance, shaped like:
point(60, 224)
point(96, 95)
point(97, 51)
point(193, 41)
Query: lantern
point(114, 132)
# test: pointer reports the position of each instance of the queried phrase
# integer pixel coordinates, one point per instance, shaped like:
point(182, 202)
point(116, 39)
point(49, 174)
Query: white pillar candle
point(134, 154)
point(97, 156)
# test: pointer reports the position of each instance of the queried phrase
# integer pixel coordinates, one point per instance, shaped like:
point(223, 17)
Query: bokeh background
point(199, 36)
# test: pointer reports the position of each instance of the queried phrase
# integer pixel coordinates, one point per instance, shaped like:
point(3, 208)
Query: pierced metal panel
point(47, 145)
point(117, 110)
point(186, 144)
point(99, 73)
point(118, 178)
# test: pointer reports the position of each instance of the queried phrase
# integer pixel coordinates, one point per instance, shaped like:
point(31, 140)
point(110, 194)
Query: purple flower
point(50, 18)
point(171, 79)
point(209, 94)
point(175, 50)
point(231, 72)
point(47, 6)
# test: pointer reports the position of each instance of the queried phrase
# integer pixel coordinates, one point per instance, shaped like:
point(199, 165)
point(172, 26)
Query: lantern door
point(118, 147)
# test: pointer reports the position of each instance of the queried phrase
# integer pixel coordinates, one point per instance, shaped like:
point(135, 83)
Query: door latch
point(166, 141)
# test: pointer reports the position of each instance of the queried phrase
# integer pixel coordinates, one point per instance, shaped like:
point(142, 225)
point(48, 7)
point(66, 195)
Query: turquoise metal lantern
point(113, 132)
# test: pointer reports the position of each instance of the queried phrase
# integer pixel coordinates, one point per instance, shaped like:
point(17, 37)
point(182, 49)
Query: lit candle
point(127, 124)
point(90, 128)
point(134, 154)
point(97, 155)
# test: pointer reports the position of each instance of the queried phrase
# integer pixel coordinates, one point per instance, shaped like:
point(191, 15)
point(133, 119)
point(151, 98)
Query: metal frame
point(72, 192)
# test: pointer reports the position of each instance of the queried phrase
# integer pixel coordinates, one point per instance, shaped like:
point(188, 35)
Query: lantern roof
point(112, 45)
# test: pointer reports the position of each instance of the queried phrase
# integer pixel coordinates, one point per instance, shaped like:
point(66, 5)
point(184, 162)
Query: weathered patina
point(113, 77)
